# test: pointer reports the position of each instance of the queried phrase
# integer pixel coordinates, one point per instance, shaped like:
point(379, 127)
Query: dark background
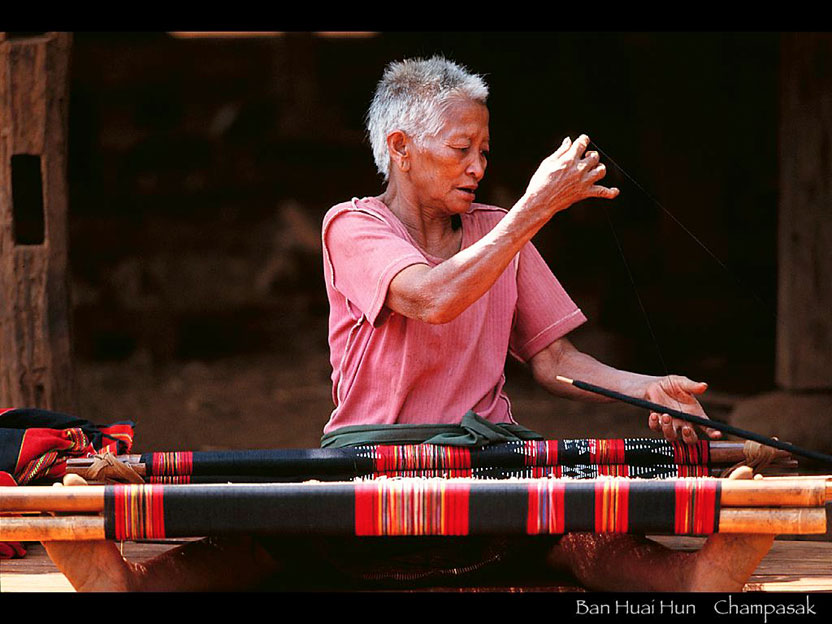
point(200, 169)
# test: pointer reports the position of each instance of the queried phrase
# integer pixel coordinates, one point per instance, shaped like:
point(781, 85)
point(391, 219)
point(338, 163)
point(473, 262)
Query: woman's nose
point(477, 167)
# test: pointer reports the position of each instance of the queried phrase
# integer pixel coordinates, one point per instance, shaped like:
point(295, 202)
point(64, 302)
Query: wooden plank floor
point(790, 566)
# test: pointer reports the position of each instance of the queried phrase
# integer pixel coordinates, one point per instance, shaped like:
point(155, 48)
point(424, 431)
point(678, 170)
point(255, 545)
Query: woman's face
point(445, 169)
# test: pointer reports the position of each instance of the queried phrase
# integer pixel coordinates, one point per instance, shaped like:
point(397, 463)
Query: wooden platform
point(790, 566)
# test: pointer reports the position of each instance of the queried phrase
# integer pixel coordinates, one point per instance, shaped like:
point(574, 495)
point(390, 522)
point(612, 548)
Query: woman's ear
point(398, 145)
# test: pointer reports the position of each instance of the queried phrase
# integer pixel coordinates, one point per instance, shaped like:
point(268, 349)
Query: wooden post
point(804, 334)
point(35, 340)
point(798, 412)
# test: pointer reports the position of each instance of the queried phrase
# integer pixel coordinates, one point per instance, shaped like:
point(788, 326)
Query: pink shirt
point(387, 368)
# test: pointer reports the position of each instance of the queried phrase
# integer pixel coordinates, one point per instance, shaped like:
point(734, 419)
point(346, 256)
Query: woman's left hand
point(677, 392)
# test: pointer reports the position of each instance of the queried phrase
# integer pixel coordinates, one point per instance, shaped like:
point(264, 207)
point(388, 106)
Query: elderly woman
point(429, 291)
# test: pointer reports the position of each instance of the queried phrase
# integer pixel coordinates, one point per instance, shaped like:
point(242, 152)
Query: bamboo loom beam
point(76, 498)
point(799, 521)
point(792, 521)
point(766, 492)
point(49, 529)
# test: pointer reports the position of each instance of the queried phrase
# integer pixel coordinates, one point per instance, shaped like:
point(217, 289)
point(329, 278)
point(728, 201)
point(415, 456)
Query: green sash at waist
point(472, 431)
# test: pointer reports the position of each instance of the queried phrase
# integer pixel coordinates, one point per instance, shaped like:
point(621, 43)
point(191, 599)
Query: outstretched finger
point(592, 158)
point(567, 143)
point(598, 172)
point(579, 146)
point(668, 428)
point(603, 192)
point(688, 434)
point(685, 385)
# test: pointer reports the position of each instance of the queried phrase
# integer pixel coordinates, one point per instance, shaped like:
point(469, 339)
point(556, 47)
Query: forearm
point(561, 358)
point(441, 293)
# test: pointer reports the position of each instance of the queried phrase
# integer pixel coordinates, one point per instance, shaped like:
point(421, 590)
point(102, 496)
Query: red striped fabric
point(176, 463)
point(691, 454)
point(139, 512)
point(696, 509)
point(612, 505)
point(614, 470)
point(606, 451)
point(183, 479)
point(540, 453)
point(421, 507)
point(420, 457)
point(443, 473)
point(546, 513)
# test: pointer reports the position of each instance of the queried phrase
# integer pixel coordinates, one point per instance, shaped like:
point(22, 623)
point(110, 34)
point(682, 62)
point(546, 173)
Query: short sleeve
point(544, 310)
point(365, 253)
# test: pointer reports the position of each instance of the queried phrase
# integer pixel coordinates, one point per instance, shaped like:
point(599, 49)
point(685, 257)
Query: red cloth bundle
point(35, 445)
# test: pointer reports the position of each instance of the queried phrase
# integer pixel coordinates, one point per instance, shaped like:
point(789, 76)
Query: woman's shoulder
point(485, 210)
point(485, 215)
point(369, 206)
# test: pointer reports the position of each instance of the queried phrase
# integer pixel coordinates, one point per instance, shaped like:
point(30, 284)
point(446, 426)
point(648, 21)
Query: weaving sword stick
point(698, 420)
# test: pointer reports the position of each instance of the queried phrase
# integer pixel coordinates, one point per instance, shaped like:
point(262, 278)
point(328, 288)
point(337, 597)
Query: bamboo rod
point(783, 493)
point(800, 521)
point(75, 498)
point(50, 529)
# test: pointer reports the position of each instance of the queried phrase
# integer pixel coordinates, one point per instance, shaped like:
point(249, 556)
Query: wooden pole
point(35, 341)
point(48, 529)
point(800, 521)
point(77, 499)
point(804, 293)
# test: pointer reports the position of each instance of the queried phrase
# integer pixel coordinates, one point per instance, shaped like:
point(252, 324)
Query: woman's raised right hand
point(567, 176)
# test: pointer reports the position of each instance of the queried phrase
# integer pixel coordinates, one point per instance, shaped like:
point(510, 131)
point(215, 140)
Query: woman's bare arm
point(441, 293)
point(562, 358)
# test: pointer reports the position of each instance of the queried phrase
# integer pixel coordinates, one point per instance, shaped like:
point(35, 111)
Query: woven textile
point(661, 471)
point(35, 444)
point(416, 507)
point(429, 460)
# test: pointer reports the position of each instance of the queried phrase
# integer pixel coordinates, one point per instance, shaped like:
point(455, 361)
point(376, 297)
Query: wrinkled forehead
point(464, 116)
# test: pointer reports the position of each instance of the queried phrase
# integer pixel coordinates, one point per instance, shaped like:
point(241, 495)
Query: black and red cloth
point(35, 445)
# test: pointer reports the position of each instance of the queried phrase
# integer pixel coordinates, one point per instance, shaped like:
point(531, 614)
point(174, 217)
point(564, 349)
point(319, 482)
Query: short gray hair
point(412, 95)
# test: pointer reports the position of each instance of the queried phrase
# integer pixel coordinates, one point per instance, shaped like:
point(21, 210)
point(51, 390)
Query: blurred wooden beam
point(234, 34)
point(36, 368)
point(804, 334)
